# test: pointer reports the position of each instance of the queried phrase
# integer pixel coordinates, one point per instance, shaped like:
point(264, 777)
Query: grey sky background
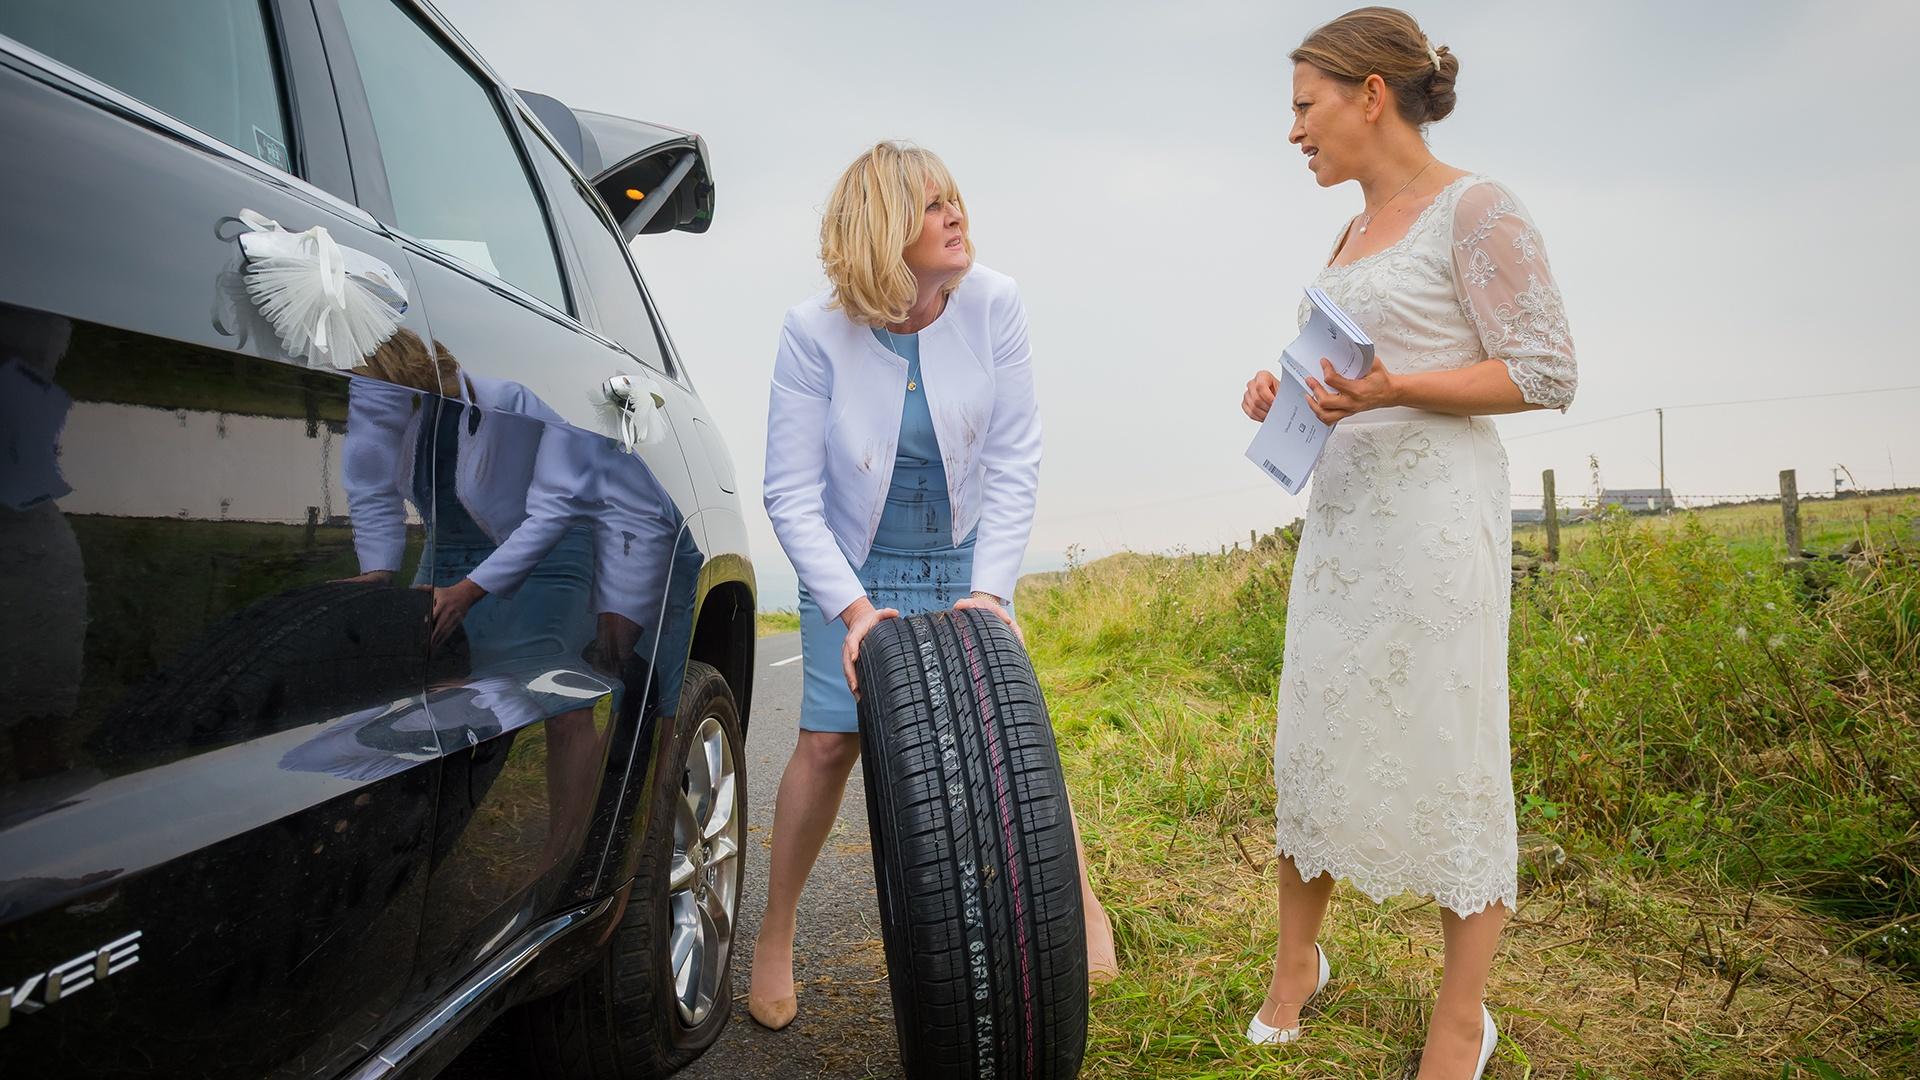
point(1726, 191)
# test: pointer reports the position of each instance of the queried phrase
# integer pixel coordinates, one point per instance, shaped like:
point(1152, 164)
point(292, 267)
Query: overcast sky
point(1726, 191)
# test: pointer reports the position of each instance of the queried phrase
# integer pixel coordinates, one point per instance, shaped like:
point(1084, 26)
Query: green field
point(1716, 763)
point(782, 621)
point(1826, 524)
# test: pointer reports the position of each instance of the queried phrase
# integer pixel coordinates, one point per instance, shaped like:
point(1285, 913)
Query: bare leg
point(803, 815)
point(1453, 1036)
point(1296, 966)
point(1103, 966)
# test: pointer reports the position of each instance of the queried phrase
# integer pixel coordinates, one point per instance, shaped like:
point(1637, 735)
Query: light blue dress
point(548, 615)
point(914, 565)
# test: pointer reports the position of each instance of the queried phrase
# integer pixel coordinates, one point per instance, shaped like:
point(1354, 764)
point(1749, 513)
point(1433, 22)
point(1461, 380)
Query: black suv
point(356, 691)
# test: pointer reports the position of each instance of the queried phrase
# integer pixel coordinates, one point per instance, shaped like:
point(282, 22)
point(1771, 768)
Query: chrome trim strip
point(40, 65)
point(396, 1055)
point(453, 37)
point(507, 289)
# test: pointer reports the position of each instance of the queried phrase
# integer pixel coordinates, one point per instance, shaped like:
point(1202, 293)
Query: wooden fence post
point(1790, 511)
point(1551, 516)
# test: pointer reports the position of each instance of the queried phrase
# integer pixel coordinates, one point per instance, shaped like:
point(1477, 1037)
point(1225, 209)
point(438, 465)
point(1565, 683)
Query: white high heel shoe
point(1261, 1033)
point(1489, 1038)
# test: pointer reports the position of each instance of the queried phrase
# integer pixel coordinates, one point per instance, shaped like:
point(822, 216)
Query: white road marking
point(784, 663)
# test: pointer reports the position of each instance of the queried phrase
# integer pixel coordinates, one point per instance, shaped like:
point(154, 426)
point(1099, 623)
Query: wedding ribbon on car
point(635, 402)
point(328, 303)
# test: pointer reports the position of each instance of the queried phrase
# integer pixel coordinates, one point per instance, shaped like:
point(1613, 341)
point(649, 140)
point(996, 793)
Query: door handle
point(621, 389)
point(629, 396)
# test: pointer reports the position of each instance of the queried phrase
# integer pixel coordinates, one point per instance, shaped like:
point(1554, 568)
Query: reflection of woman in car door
point(510, 558)
point(487, 463)
point(960, 441)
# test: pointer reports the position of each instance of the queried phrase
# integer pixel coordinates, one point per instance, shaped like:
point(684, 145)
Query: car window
point(622, 311)
point(208, 63)
point(457, 181)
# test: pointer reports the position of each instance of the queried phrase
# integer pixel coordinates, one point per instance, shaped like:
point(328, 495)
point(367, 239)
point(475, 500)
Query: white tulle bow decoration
point(634, 401)
point(329, 304)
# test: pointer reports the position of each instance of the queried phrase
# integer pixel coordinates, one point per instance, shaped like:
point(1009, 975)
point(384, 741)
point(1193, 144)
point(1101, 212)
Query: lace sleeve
point(1508, 294)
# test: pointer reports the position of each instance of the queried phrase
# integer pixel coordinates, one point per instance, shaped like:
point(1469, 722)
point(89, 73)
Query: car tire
point(660, 994)
point(973, 852)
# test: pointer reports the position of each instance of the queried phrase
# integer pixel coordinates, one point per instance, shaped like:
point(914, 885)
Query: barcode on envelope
point(1275, 471)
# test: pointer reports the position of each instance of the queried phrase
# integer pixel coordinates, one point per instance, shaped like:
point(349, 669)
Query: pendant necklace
point(1366, 219)
point(912, 383)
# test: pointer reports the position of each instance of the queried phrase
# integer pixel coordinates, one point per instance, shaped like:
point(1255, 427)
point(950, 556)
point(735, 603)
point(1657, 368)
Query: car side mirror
point(652, 178)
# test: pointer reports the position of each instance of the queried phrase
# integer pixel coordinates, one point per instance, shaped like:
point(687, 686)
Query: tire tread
point(968, 811)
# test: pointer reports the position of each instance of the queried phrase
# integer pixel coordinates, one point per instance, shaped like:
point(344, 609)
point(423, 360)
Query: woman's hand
point(450, 606)
point(990, 602)
point(1261, 390)
point(860, 617)
point(1342, 397)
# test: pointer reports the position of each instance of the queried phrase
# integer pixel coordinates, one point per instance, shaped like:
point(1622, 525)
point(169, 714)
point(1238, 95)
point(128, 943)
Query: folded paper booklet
point(1290, 440)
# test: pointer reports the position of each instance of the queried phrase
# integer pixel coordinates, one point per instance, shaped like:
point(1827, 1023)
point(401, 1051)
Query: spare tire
point(973, 852)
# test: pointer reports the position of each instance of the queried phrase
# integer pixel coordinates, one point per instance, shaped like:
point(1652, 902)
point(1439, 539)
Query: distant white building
point(1638, 500)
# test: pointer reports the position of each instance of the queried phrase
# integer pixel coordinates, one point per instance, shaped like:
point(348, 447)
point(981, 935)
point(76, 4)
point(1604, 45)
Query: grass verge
point(1715, 763)
point(782, 621)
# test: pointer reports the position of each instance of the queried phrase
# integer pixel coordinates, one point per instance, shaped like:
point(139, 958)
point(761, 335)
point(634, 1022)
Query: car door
point(216, 780)
point(572, 507)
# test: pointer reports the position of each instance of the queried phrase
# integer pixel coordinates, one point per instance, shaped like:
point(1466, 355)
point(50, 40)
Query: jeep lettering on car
point(65, 980)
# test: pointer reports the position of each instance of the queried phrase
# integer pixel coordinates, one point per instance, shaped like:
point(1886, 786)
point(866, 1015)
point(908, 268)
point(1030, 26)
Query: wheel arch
point(724, 630)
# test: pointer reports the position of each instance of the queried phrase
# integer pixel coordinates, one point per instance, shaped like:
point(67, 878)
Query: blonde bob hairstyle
point(876, 212)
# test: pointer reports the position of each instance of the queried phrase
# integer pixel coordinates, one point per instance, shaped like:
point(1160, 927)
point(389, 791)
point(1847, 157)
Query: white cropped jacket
point(833, 426)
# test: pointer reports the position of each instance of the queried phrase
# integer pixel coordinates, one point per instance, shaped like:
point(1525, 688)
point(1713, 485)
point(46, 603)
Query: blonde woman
point(1390, 752)
point(903, 454)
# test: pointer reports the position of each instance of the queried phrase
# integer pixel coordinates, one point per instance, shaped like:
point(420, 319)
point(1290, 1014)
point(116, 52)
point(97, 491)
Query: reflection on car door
point(215, 780)
point(558, 529)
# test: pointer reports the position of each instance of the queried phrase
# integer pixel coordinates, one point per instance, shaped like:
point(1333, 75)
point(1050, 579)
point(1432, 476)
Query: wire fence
point(1783, 515)
point(1554, 509)
point(1658, 499)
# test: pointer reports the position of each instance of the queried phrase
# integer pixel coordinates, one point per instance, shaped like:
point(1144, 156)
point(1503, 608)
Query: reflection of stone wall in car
point(316, 652)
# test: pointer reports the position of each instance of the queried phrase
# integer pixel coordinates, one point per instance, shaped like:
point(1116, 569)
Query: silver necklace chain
point(1366, 218)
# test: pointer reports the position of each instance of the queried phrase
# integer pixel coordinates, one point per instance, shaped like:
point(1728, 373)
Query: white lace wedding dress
point(1391, 752)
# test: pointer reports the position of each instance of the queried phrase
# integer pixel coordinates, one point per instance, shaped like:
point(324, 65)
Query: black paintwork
point(219, 730)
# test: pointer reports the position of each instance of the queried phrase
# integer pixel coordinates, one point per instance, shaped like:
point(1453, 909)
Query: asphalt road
point(845, 1025)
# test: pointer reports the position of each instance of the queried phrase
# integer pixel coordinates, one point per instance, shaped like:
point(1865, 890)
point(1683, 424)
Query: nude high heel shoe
point(1260, 1033)
point(772, 1015)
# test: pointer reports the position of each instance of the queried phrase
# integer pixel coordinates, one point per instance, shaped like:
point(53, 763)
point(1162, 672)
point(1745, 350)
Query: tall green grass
point(777, 621)
point(1715, 761)
point(1709, 712)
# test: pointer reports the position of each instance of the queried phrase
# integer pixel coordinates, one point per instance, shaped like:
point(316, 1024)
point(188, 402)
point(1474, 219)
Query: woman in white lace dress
point(1391, 752)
